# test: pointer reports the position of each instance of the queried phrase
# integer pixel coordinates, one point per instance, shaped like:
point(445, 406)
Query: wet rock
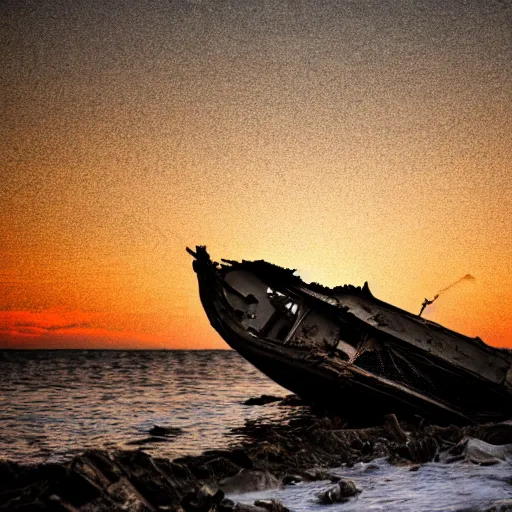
point(236, 456)
point(499, 506)
point(94, 481)
point(274, 452)
point(364, 447)
point(218, 468)
point(262, 400)
point(161, 431)
point(292, 479)
point(271, 505)
point(247, 480)
point(371, 468)
point(159, 481)
point(17, 476)
point(315, 475)
point(203, 499)
point(343, 491)
point(242, 507)
point(202, 465)
point(480, 452)
point(226, 505)
point(57, 504)
point(76, 488)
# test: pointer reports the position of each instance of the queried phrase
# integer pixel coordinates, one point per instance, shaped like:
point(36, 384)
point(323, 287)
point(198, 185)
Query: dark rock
point(160, 431)
point(499, 506)
point(157, 480)
point(218, 468)
point(291, 479)
point(314, 475)
point(262, 400)
point(158, 435)
point(17, 476)
point(236, 456)
point(343, 491)
point(98, 481)
point(57, 504)
point(76, 488)
point(480, 452)
point(226, 505)
point(199, 464)
point(202, 500)
point(271, 505)
point(102, 463)
point(242, 507)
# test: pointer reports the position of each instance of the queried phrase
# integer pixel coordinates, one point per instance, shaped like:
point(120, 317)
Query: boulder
point(480, 452)
point(291, 479)
point(342, 491)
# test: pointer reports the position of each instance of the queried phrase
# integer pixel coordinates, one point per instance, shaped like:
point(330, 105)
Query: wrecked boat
point(344, 349)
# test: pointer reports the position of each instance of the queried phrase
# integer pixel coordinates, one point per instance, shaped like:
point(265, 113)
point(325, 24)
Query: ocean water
point(55, 404)
point(434, 487)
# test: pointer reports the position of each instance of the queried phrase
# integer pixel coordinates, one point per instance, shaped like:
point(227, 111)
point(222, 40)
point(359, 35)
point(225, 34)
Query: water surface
point(434, 487)
point(54, 404)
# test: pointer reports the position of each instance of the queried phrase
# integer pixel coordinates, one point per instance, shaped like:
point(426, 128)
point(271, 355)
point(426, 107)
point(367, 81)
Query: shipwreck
point(346, 350)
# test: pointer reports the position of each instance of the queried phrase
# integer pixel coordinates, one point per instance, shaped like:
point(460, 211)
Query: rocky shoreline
point(269, 456)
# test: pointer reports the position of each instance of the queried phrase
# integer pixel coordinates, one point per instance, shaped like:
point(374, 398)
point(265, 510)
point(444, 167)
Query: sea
point(56, 404)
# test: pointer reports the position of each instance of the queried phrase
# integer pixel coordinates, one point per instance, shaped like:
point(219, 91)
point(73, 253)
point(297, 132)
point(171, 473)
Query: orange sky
point(354, 141)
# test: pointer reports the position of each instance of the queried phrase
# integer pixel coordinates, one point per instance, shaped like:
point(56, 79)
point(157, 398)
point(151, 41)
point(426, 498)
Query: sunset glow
point(354, 141)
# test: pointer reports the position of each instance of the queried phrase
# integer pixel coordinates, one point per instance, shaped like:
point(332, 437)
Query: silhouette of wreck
point(344, 349)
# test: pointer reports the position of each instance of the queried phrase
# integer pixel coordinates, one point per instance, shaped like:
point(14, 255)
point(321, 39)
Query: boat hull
point(319, 377)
